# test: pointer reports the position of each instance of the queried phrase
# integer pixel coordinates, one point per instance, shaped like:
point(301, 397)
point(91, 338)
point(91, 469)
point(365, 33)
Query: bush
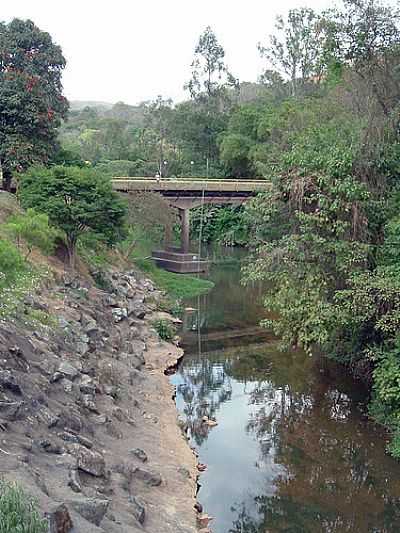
point(18, 512)
point(32, 228)
point(11, 263)
point(165, 329)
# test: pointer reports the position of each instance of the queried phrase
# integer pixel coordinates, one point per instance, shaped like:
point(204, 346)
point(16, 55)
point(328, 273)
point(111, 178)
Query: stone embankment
point(88, 425)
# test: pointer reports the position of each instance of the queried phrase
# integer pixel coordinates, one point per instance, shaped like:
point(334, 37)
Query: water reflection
point(292, 451)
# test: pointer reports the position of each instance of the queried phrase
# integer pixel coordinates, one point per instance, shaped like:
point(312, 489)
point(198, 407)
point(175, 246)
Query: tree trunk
point(6, 178)
point(71, 244)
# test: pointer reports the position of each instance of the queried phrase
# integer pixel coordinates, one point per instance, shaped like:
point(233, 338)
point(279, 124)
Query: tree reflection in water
point(314, 463)
point(334, 476)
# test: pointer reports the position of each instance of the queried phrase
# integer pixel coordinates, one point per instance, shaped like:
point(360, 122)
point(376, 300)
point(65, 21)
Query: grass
point(180, 286)
point(165, 329)
point(177, 286)
point(18, 512)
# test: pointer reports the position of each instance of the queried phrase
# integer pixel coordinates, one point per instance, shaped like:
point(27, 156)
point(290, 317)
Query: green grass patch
point(18, 511)
point(180, 286)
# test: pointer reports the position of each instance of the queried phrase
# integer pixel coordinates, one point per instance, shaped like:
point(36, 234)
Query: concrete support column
point(185, 228)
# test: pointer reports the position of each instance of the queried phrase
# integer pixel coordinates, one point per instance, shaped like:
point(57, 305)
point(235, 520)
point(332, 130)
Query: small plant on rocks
point(165, 329)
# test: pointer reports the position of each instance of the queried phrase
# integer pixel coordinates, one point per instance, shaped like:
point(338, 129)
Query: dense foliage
point(326, 236)
point(31, 100)
point(76, 201)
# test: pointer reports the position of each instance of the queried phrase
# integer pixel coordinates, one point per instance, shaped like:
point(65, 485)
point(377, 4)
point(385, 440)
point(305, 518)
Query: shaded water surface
point(293, 451)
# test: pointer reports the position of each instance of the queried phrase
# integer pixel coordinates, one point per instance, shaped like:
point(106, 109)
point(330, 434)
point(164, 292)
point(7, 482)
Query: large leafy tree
point(76, 200)
point(31, 100)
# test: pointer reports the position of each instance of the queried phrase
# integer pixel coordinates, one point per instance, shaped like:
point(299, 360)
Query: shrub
point(18, 512)
point(165, 329)
point(32, 228)
point(11, 263)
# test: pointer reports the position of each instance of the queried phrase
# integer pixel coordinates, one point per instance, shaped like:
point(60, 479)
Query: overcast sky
point(133, 50)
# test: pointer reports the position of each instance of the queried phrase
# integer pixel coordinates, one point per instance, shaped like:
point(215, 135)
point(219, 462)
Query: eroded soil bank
point(88, 424)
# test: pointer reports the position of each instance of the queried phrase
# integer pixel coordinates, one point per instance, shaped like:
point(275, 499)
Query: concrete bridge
point(185, 194)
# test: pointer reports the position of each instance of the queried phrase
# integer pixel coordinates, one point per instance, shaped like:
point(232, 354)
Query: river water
point(293, 450)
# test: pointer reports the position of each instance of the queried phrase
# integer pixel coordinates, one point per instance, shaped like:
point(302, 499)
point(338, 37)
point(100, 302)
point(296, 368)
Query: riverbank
point(87, 417)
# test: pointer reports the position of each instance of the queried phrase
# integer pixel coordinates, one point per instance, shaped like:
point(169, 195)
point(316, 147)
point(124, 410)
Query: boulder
point(138, 509)
point(92, 509)
point(68, 370)
point(150, 477)
point(91, 462)
point(139, 454)
point(119, 313)
point(9, 382)
point(58, 518)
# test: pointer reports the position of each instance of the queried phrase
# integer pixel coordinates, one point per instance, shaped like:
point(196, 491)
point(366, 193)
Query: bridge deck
point(190, 185)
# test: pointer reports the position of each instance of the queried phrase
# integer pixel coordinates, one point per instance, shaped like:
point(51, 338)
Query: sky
point(135, 50)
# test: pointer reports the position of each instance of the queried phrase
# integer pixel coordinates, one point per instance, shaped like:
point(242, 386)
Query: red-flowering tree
point(31, 100)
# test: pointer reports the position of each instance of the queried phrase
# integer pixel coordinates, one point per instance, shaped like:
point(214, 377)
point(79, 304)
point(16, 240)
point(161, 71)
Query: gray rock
point(51, 447)
point(46, 416)
point(74, 481)
point(138, 509)
point(57, 376)
point(87, 401)
point(67, 385)
point(68, 370)
point(91, 462)
point(8, 382)
point(119, 313)
point(58, 518)
point(150, 477)
point(11, 410)
point(139, 454)
point(64, 324)
point(92, 509)
point(82, 348)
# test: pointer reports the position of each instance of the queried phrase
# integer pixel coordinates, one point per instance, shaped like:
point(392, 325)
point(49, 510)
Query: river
point(293, 450)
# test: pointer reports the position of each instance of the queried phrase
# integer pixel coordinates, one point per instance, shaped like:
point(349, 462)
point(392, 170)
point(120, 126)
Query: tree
point(76, 200)
point(210, 75)
point(296, 51)
point(31, 100)
point(157, 117)
point(33, 229)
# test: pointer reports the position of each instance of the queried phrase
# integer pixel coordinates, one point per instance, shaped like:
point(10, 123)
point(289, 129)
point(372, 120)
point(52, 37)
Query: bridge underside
point(185, 194)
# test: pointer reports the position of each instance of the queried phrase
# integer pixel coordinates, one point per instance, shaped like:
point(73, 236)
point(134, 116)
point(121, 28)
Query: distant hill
point(120, 111)
point(78, 105)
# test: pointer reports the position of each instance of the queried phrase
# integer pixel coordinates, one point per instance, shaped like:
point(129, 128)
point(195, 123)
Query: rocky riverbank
point(88, 425)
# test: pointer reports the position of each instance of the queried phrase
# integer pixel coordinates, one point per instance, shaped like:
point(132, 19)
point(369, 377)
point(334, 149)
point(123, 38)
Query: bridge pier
point(185, 229)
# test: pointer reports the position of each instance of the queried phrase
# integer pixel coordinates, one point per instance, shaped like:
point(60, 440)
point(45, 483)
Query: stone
point(46, 416)
point(68, 370)
point(91, 462)
point(74, 481)
point(86, 401)
point(91, 329)
point(119, 313)
point(51, 447)
point(11, 411)
point(110, 301)
point(82, 347)
point(111, 390)
point(59, 519)
point(151, 478)
point(92, 509)
point(9, 382)
point(138, 509)
point(57, 376)
point(67, 385)
point(137, 309)
point(139, 454)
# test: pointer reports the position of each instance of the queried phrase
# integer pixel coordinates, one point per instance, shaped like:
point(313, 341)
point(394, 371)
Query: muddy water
point(293, 450)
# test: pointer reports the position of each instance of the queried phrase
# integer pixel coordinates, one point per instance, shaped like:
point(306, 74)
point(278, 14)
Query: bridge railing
point(190, 184)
